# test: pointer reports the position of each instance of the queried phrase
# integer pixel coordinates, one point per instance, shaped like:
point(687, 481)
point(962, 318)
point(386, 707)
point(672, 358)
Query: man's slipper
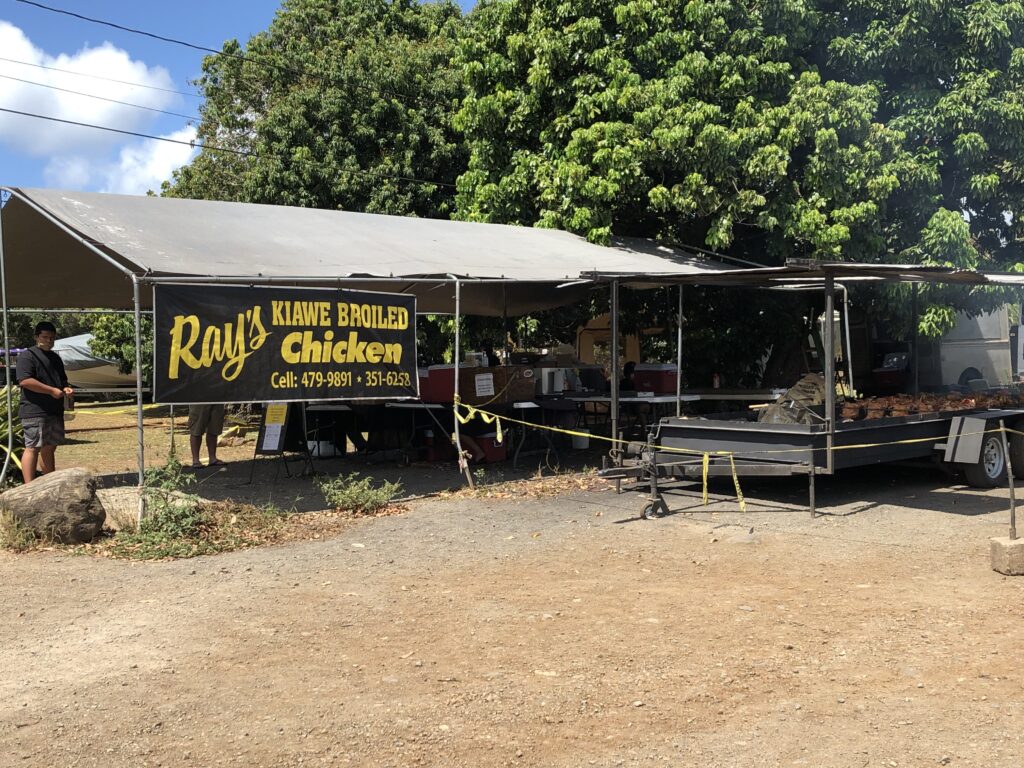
point(217, 463)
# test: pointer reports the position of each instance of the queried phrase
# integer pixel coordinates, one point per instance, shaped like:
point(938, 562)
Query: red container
point(438, 385)
point(659, 378)
point(493, 450)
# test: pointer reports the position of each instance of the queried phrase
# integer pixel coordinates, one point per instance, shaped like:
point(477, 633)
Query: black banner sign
point(226, 344)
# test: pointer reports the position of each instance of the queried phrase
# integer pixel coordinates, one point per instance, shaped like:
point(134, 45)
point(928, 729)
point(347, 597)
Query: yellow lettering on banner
point(371, 316)
point(182, 353)
point(301, 312)
point(234, 343)
point(288, 353)
point(300, 347)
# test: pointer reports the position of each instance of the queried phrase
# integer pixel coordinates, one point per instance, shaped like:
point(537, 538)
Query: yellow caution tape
point(491, 418)
point(704, 477)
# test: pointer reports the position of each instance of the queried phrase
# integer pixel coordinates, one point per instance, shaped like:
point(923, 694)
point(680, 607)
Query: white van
point(977, 348)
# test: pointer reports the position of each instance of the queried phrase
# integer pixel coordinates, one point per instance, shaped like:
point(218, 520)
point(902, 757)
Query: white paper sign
point(484, 384)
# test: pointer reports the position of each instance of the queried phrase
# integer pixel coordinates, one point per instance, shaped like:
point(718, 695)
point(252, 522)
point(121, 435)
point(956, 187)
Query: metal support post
point(140, 425)
point(830, 369)
point(7, 359)
point(679, 356)
point(810, 492)
point(617, 448)
point(456, 355)
point(1009, 477)
point(913, 349)
point(848, 356)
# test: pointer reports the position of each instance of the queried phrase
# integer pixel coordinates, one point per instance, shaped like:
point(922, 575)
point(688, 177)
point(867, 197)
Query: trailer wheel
point(655, 509)
point(990, 471)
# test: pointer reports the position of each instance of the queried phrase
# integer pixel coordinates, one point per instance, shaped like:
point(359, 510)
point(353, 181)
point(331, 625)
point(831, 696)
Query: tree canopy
point(339, 104)
point(763, 129)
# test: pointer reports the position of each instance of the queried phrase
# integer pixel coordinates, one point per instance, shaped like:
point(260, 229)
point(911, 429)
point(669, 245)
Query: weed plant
point(357, 494)
point(181, 524)
point(14, 536)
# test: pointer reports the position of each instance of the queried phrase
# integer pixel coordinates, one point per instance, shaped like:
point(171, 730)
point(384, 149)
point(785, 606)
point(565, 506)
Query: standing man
point(205, 421)
point(44, 385)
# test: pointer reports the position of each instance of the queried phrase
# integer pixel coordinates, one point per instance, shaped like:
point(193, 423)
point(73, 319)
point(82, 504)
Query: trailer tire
point(655, 509)
point(990, 471)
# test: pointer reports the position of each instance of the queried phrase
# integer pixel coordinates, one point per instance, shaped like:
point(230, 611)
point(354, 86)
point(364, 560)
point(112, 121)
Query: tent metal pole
point(914, 343)
point(69, 311)
point(846, 324)
point(7, 360)
point(330, 282)
point(614, 309)
point(679, 356)
point(138, 395)
point(506, 351)
point(830, 369)
point(456, 354)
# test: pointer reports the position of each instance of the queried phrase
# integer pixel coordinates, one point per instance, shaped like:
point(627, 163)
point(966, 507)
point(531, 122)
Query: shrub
point(357, 494)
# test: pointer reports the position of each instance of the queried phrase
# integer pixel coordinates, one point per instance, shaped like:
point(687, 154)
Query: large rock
point(61, 506)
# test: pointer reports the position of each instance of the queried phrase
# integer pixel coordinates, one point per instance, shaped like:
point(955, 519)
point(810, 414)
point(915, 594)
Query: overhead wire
point(101, 98)
point(213, 148)
point(101, 77)
point(220, 52)
point(216, 52)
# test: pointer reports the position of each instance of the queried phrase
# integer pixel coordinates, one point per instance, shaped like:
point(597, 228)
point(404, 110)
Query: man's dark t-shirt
point(31, 366)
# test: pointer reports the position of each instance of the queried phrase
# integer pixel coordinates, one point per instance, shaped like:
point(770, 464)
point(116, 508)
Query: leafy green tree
point(114, 339)
point(339, 104)
point(765, 129)
point(951, 75)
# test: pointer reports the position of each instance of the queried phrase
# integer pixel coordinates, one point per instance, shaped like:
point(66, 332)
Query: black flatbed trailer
point(971, 441)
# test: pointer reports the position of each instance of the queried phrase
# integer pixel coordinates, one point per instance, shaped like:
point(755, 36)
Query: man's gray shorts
point(41, 431)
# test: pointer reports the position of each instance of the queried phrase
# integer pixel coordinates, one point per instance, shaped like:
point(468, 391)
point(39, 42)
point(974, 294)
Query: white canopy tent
point(83, 249)
point(91, 244)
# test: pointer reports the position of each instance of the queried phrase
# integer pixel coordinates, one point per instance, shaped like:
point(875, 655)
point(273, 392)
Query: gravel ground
point(540, 632)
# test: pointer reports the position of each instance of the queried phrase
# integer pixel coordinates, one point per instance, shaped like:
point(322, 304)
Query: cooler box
point(493, 450)
point(438, 385)
point(659, 378)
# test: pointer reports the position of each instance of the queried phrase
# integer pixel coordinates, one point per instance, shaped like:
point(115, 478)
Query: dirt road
point(548, 632)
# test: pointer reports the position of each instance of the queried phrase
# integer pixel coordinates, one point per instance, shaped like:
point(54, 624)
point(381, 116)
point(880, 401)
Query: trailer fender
point(963, 443)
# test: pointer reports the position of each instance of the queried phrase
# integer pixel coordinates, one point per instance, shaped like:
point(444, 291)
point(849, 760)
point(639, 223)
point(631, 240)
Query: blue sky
point(36, 153)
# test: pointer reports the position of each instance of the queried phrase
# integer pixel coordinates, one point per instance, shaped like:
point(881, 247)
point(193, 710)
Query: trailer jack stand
point(656, 506)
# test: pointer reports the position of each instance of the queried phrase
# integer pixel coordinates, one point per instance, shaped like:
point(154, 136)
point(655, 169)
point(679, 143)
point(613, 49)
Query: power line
point(101, 77)
point(219, 52)
point(240, 152)
point(101, 98)
point(126, 29)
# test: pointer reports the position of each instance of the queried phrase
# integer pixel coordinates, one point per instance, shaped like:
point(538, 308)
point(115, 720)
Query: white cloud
point(138, 167)
point(142, 167)
point(40, 138)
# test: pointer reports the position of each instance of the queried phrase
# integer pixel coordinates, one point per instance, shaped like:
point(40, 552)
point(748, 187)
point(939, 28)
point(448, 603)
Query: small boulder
point(61, 506)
